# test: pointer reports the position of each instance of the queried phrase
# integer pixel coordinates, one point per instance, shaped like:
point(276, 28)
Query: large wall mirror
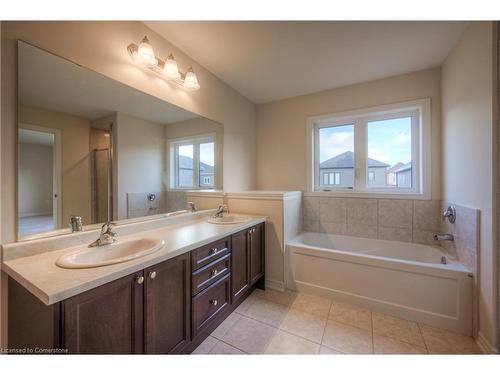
point(92, 147)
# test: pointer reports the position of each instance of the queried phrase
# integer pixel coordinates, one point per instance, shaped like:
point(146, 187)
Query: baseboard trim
point(275, 285)
point(484, 345)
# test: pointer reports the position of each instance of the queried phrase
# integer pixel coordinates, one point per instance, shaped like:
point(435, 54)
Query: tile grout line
point(423, 338)
point(224, 342)
point(326, 323)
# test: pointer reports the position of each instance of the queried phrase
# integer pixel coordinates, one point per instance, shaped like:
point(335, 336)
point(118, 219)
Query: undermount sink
point(229, 219)
point(118, 252)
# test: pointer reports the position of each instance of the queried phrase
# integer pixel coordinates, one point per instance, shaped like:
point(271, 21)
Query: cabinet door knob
point(139, 279)
point(152, 275)
point(214, 302)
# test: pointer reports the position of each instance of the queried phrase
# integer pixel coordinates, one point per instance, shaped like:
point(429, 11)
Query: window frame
point(173, 156)
point(419, 110)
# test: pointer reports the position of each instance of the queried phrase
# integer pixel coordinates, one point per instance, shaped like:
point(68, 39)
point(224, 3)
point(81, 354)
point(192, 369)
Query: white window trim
point(422, 173)
point(172, 161)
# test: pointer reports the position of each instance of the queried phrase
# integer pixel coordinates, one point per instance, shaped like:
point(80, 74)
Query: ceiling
point(53, 83)
point(267, 61)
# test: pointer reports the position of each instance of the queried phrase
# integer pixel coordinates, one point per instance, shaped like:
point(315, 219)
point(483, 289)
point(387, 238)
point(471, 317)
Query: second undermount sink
point(229, 219)
point(118, 252)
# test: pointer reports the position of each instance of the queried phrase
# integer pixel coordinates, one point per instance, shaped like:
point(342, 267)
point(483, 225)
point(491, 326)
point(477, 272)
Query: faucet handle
point(108, 228)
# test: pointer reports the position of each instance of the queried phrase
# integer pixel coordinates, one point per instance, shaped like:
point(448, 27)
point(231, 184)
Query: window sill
point(365, 194)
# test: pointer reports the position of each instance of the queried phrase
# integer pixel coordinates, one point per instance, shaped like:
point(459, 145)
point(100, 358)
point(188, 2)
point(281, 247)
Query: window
point(378, 150)
point(192, 163)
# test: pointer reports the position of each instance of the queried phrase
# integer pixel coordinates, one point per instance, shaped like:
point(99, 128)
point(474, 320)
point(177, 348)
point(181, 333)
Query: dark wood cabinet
point(107, 319)
point(257, 255)
point(167, 300)
point(239, 264)
point(170, 307)
point(210, 303)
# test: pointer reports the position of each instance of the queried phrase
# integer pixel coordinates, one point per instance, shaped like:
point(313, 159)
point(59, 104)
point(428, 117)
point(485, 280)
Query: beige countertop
point(41, 276)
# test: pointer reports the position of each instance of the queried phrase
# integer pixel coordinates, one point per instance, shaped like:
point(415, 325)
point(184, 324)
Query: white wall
point(281, 125)
point(467, 154)
point(140, 157)
point(35, 179)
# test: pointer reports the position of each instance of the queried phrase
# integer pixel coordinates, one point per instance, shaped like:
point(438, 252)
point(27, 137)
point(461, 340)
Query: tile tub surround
point(138, 204)
point(309, 324)
point(35, 269)
point(389, 219)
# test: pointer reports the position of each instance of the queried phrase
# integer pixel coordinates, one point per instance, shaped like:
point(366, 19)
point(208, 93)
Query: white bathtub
point(398, 278)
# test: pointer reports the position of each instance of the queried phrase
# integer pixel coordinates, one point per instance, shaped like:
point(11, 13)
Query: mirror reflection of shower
point(101, 172)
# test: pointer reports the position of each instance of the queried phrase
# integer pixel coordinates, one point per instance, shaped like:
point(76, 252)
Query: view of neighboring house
point(403, 176)
point(391, 174)
point(338, 172)
point(186, 173)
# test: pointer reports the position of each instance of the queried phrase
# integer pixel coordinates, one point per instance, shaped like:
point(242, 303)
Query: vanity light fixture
point(170, 68)
point(144, 54)
point(190, 80)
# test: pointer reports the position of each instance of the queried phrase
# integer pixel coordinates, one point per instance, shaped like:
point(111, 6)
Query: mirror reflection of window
point(193, 162)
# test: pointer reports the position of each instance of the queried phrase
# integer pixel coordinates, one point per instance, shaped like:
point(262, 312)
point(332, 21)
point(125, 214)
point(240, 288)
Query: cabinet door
point(240, 279)
point(167, 306)
point(105, 320)
point(257, 256)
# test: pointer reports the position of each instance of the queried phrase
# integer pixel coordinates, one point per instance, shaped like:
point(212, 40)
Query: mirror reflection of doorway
point(38, 180)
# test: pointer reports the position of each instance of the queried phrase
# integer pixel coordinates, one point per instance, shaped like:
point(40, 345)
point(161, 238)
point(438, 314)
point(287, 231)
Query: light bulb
point(170, 68)
point(191, 81)
point(145, 53)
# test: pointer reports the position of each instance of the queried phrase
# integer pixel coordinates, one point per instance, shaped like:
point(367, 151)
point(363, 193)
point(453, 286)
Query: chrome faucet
point(106, 237)
point(76, 224)
point(221, 211)
point(444, 237)
point(192, 207)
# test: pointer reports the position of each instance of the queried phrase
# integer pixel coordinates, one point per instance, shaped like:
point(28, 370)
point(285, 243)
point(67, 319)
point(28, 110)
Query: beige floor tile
point(266, 312)
point(386, 345)
point(347, 339)
point(249, 335)
point(206, 346)
point(312, 304)
point(350, 314)
point(326, 350)
point(286, 343)
point(396, 328)
point(283, 298)
point(223, 348)
point(243, 307)
point(444, 342)
point(305, 325)
point(225, 325)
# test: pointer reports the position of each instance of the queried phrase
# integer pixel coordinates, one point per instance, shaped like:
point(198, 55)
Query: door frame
point(56, 172)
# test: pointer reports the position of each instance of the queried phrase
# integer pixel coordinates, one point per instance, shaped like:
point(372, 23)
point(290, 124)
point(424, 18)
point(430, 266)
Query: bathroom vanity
point(169, 306)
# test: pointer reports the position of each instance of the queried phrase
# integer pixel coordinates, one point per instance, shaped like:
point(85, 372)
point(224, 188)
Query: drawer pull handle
point(214, 272)
point(214, 302)
point(139, 279)
point(152, 275)
point(214, 251)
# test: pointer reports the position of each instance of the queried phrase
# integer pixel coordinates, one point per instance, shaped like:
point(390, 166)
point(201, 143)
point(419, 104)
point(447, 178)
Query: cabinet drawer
point(210, 303)
point(209, 274)
point(208, 253)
